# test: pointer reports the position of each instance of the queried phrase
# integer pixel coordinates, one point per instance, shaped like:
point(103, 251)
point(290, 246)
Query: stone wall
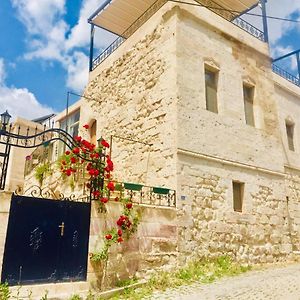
point(293, 199)
point(210, 227)
point(153, 247)
point(135, 97)
point(225, 134)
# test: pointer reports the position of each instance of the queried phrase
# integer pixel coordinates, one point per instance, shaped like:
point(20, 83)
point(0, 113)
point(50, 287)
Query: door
point(47, 241)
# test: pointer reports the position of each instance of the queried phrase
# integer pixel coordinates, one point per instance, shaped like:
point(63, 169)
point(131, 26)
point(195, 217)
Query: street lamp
point(5, 117)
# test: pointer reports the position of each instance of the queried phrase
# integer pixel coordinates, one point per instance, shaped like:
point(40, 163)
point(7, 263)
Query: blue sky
point(45, 43)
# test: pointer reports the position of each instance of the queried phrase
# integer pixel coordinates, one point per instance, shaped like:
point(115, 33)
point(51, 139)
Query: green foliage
point(42, 171)
point(204, 271)
point(76, 297)
point(4, 291)
point(45, 297)
point(126, 282)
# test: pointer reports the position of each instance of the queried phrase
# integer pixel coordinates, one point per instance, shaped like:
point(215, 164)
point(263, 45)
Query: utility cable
point(234, 11)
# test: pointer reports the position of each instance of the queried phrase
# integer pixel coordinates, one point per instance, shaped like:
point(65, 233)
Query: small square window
point(211, 89)
point(238, 195)
point(290, 135)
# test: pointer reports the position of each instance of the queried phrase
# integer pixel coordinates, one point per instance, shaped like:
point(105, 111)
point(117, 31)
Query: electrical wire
point(235, 11)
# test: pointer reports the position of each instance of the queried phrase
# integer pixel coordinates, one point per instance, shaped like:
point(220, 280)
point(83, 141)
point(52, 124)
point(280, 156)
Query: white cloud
point(39, 16)
point(2, 72)
point(51, 39)
point(19, 102)
point(80, 33)
point(284, 10)
point(276, 8)
point(77, 68)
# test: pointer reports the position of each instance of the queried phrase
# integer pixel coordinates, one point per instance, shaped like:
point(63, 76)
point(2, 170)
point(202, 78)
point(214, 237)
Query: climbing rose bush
point(92, 162)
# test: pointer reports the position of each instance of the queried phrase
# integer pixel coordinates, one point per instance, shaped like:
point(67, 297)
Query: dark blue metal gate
point(47, 241)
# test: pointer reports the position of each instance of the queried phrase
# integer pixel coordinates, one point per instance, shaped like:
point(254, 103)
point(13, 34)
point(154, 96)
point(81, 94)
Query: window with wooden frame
point(238, 195)
point(290, 135)
point(211, 89)
point(248, 92)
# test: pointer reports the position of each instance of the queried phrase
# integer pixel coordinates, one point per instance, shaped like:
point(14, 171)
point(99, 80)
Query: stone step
point(54, 291)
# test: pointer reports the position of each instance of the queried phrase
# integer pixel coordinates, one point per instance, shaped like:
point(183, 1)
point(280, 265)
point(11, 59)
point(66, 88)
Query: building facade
point(223, 127)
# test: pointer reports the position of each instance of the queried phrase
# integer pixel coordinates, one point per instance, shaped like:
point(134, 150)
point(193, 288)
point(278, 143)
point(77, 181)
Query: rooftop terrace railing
point(288, 76)
point(211, 5)
point(233, 18)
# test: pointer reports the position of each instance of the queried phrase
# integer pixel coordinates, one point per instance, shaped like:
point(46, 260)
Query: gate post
point(5, 200)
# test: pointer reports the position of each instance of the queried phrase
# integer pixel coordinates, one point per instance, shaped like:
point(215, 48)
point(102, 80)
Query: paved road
point(271, 284)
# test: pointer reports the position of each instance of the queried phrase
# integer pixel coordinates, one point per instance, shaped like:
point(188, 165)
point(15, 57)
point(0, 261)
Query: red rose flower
point(110, 165)
point(129, 205)
point(68, 172)
point(63, 162)
point(68, 152)
point(120, 240)
point(104, 200)
point(108, 236)
point(104, 143)
point(117, 199)
point(73, 160)
point(111, 186)
point(86, 126)
point(120, 222)
point(76, 150)
point(78, 139)
point(120, 232)
point(96, 193)
point(92, 172)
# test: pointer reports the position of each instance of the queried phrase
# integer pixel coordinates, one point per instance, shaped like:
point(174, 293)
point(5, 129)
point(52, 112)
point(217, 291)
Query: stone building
point(189, 99)
point(198, 83)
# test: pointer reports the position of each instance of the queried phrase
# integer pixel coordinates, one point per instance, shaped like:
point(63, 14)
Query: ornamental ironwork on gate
point(11, 136)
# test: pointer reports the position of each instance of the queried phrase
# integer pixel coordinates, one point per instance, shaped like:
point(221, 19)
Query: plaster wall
point(5, 199)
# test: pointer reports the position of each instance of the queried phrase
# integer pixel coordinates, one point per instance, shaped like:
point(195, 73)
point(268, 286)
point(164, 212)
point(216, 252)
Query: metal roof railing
point(288, 76)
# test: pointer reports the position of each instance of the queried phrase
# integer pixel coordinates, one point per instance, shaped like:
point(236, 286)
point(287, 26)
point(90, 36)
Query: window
point(211, 87)
point(71, 123)
point(290, 135)
point(248, 104)
point(238, 195)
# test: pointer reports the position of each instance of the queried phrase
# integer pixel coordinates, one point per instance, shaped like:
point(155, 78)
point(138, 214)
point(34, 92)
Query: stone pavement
point(272, 284)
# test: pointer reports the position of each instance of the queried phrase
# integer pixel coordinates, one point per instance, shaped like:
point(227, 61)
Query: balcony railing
point(233, 18)
point(211, 5)
point(288, 76)
point(142, 194)
point(133, 28)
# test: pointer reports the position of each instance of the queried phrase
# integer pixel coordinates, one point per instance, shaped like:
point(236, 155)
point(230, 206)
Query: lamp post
point(5, 118)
